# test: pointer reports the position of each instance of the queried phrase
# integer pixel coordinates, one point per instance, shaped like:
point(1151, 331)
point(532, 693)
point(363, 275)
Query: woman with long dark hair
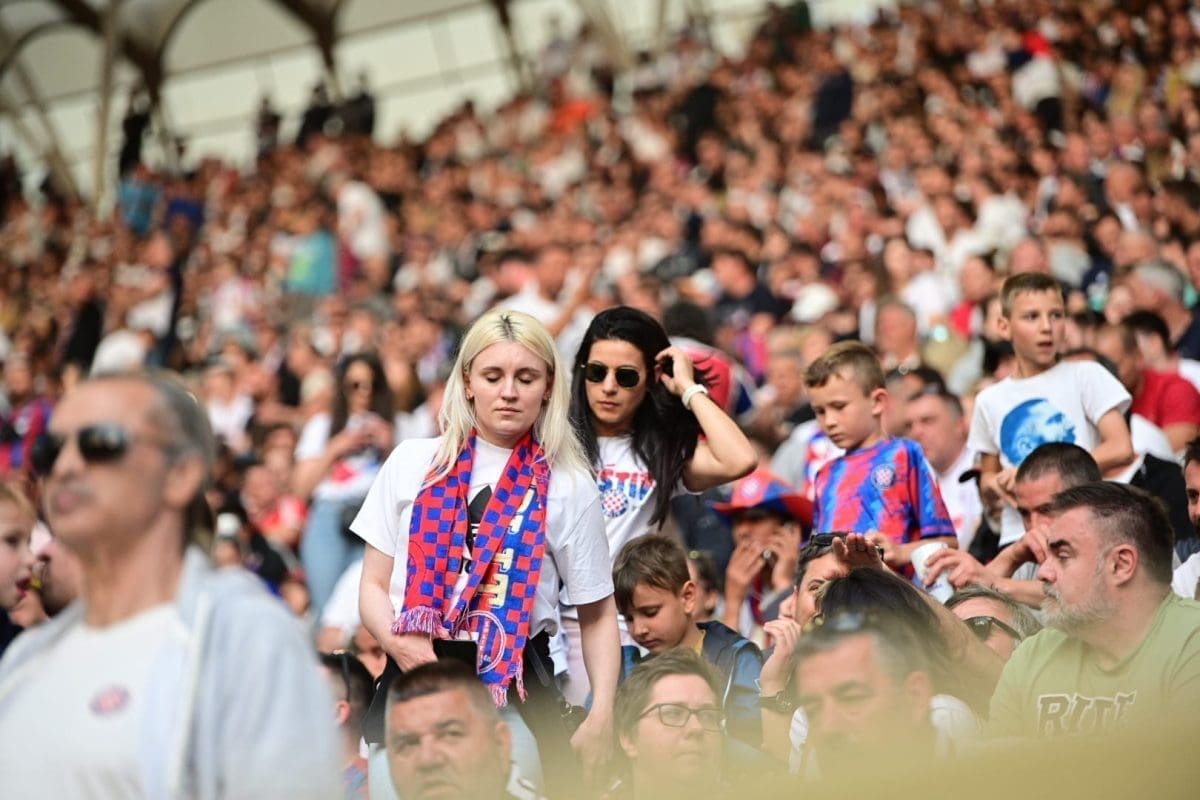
point(337, 458)
point(640, 411)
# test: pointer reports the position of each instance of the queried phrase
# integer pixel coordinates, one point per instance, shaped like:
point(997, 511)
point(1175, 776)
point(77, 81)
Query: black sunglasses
point(627, 377)
point(98, 444)
point(982, 628)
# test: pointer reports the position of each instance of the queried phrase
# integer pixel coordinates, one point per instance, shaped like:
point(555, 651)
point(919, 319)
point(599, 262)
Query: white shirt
point(87, 733)
point(962, 499)
point(1187, 576)
point(577, 556)
point(349, 477)
point(1063, 404)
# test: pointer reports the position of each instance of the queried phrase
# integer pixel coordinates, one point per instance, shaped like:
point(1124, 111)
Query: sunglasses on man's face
point(627, 377)
point(982, 628)
point(100, 443)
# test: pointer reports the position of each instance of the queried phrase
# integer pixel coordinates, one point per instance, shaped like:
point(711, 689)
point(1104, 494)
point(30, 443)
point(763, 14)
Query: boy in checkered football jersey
point(882, 486)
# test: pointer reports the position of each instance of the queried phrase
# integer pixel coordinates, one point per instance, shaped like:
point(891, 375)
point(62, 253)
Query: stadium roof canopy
point(206, 64)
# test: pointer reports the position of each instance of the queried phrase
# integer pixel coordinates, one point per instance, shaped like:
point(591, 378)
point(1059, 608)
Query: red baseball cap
point(762, 489)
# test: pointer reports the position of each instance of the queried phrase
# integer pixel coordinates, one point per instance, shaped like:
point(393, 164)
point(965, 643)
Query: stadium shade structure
point(65, 65)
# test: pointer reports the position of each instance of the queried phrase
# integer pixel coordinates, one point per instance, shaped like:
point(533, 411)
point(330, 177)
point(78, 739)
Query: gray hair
point(1161, 276)
point(1023, 620)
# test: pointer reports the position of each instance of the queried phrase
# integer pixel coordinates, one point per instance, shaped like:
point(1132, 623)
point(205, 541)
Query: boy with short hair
point(655, 594)
point(1044, 400)
point(882, 484)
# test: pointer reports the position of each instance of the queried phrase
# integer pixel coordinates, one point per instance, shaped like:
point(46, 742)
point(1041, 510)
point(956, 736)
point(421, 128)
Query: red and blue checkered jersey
point(888, 487)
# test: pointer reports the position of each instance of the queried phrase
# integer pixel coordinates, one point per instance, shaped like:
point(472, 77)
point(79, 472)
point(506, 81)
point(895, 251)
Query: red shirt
point(1166, 399)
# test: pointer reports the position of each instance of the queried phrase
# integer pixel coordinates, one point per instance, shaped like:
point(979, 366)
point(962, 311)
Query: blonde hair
point(553, 426)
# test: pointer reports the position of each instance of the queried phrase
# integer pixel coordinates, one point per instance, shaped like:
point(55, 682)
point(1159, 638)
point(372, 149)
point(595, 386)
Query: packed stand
point(817, 416)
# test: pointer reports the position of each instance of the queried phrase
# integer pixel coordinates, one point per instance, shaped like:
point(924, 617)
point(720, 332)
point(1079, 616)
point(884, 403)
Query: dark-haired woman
point(641, 412)
point(337, 458)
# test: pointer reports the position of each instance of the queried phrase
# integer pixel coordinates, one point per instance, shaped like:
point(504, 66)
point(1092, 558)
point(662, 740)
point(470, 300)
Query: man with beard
point(1120, 648)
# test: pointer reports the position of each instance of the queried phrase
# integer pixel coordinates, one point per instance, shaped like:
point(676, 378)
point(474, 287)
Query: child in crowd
point(661, 603)
point(1044, 400)
point(882, 485)
point(16, 560)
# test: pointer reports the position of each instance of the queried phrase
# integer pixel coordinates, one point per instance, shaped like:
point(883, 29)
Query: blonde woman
point(470, 536)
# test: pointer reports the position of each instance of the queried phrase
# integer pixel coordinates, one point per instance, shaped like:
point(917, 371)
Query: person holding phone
point(650, 429)
point(337, 458)
point(470, 535)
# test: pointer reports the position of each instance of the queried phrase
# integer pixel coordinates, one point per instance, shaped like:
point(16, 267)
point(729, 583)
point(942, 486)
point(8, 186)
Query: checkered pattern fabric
point(497, 601)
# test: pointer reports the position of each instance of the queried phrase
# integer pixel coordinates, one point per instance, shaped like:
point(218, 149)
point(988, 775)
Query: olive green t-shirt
point(1052, 686)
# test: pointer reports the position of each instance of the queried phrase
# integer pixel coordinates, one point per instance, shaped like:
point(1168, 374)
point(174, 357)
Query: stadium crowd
point(739, 419)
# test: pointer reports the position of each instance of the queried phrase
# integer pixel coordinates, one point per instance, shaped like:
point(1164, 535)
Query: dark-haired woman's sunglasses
point(99, 443)
point(627, 377)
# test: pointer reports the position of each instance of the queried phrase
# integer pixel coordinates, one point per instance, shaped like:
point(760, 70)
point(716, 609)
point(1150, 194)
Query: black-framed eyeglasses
point(101, 443)
point(982, 628)
point(627, 377)
point(676, 715)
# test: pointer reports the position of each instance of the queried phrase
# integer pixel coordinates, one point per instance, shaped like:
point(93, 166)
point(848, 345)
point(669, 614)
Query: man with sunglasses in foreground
point(167, 678)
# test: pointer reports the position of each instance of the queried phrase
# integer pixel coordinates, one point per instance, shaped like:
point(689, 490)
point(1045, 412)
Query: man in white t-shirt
point(167, 678)
point(936, 422)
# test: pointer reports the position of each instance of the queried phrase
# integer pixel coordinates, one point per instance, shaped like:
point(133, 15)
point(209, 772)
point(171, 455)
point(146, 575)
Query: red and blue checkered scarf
point(497, 602)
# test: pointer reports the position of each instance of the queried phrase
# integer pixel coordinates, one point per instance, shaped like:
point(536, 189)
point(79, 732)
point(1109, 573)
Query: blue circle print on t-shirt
point(1030, 425)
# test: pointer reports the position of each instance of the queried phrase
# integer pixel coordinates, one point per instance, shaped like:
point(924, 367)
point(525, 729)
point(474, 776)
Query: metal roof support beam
point(64, 180)
point(147, 60)
point(51, 144)
point(598, 13)
point(323, 24)
point(516, 64)
point(106, 85)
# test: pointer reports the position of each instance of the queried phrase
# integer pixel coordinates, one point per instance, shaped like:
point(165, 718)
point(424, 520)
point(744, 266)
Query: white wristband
point(691, 392)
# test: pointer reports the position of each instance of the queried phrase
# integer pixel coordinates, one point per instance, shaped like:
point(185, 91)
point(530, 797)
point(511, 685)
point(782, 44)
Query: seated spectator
point(1186, 581)
point(1154, 342)
point(866, 690)
point(702, 568)
point(937, 423)
point(351, 686)
point(996, 619)
point(1048, 470)
point(277, 515)
point(768, 520)
point(23, 417)
point(669, 726)
point(1120, 648)
point(1159, 287)
point(1164, 398)
point(16, 559)
point(658, 599)
point(445, 737)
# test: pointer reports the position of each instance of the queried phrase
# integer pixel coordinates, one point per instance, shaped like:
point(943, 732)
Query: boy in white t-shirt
point(1045, 400)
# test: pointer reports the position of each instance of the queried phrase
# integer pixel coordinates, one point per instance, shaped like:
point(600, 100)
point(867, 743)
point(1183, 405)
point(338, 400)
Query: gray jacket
point(256, 718)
